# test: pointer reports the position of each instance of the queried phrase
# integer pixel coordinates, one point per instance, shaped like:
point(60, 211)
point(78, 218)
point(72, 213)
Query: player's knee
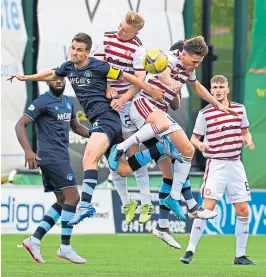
point(123, 171)
point(242, 210)
point(163, 126)
point(60, 200)
point(90, 156)
point(73, 199)
point(188, 151)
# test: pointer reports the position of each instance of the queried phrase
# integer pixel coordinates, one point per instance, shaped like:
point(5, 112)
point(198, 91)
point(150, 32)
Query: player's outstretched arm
point(79, 128)
point(41, 76)
point(203, 93)
point(247, 138)
point(30, 157)
point(155, 93)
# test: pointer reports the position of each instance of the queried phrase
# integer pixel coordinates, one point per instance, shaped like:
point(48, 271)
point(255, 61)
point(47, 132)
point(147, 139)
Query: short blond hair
point(219, 79)
point(135, 20)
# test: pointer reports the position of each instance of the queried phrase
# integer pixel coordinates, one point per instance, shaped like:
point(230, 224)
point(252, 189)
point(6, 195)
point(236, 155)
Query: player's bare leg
point(96, 147)
point(196, 232)
point(241, 232)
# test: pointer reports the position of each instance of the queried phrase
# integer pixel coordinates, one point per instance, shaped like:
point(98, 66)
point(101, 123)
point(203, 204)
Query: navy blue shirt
point(89, 84)
point(52, 116)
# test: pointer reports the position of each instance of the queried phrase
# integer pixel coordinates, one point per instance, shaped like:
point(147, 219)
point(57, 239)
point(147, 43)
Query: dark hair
point(196, 46)
point(179, 45)
point(83, 37)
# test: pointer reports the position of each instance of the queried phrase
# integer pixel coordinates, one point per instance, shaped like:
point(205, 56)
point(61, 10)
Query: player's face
point(78, 53)
point(57, 86)
point(190, 62)
point(219, 91)
point(125, 31)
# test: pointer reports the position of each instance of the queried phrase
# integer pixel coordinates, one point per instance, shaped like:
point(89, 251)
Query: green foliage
point(222, 15)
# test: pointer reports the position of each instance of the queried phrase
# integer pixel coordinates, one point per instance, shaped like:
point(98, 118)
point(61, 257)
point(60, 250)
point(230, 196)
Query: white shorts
point(227, 176)
point(127, 125)
point(141, 107)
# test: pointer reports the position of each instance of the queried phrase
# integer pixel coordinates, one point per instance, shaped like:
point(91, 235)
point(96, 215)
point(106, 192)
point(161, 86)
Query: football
point(155, 61)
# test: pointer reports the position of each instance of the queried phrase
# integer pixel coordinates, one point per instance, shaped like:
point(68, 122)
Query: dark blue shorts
point(57, 176)
point(110, 124)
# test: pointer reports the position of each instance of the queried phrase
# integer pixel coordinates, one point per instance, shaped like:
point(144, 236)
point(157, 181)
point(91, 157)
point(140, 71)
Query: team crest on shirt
point(68, 106)
point(87, 74)
point(70, 177)
point(129, 53)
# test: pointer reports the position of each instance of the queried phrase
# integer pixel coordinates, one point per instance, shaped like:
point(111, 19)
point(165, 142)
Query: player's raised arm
point(41, 76)
point(155, 93)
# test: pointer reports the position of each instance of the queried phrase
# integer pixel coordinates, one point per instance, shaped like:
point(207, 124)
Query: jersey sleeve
point(99, 50)
point(137, 59)
point(200, 125)
point(61, 70)
point(35, 109)
point(111, 72)
point(245, 122)
point(192, 76)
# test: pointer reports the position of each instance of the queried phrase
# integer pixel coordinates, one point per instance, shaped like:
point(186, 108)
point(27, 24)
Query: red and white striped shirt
point(125, 55)
point(178, 73)
point(221, 131)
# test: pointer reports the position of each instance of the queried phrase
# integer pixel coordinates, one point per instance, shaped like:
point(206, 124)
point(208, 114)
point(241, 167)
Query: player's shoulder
point(205, 109)
point(66, 64)
point(137, 41)
point(97, 65)
point(41, 100)
point(96, 62)
point(236, 104)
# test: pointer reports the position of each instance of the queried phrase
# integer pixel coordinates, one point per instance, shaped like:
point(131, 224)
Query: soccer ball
point(155, 61)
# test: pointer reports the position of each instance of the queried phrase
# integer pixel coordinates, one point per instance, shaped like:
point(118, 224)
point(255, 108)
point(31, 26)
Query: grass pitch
point(133, 255)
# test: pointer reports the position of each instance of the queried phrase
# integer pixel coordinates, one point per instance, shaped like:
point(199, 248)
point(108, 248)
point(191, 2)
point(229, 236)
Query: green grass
point(133, 255)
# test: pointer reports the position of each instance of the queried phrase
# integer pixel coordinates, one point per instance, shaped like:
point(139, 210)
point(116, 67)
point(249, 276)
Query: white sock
point(121, 187)
point(163, 223)
point(241, 232)
point(143, 181)
point(65, 248)
point(196, 233)
point(146, 132)
point(35, 240)
point(181, 171)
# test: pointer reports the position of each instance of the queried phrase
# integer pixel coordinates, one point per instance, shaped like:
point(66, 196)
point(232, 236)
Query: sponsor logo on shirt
point(64, 116)
point(80, 81)
point(224, 128)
